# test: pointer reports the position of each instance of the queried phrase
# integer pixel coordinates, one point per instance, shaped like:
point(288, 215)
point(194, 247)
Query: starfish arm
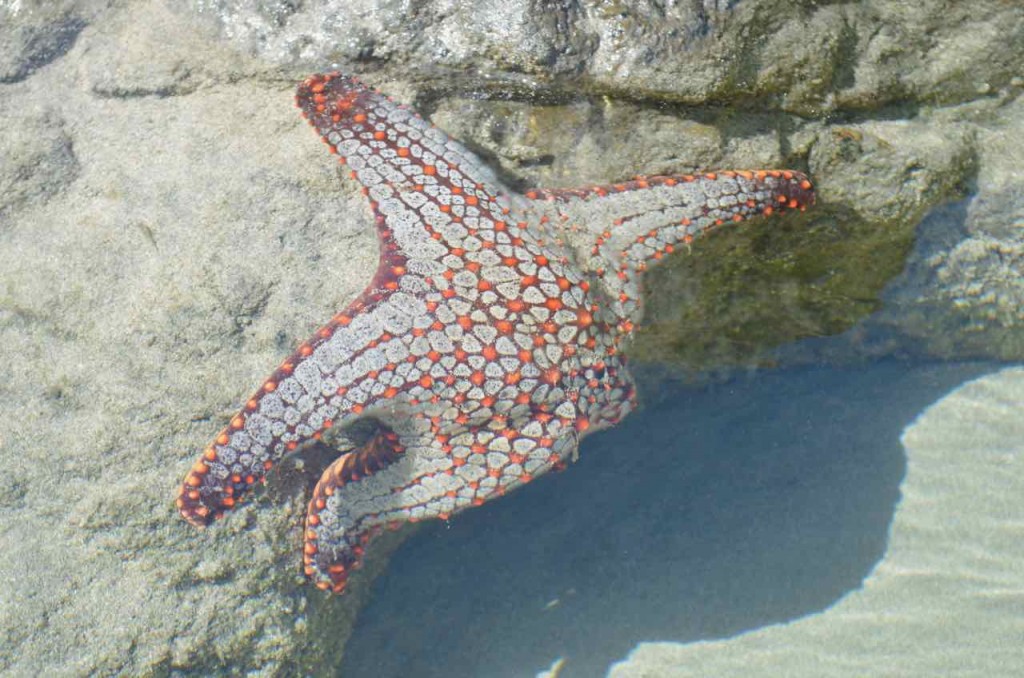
point(431, 196)
point(635, 224)
point(352, 367)
point(345, 551)
point(414, 476)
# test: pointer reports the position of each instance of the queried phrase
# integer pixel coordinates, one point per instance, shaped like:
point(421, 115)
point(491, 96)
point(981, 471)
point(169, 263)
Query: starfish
point(488, 343)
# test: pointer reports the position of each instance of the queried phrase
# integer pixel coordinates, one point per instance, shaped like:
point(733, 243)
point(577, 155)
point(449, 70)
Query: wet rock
point(930, 52)
point(130, 56)
point(38, 157)
point(582, 141)
point(124, 301)
point(803, 57)
point(893, 172)
point(36, 32)
point(961, 294)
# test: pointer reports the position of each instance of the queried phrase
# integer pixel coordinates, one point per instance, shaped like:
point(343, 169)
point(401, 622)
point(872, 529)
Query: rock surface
point(35, 33)
point(169, 228)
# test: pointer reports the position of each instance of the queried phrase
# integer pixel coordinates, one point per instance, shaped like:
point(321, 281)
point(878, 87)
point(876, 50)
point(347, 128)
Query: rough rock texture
point(169, 228)
point(35, 32)
point(945, 596)
point(39, 160)
point(131, 321)
point(807, 57)
point(962, 292)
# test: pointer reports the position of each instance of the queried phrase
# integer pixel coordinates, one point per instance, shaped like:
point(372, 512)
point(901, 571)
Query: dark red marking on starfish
point(488, 342)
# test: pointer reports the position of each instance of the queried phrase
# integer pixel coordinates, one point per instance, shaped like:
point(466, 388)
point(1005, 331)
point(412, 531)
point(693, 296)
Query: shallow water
point(721, 510)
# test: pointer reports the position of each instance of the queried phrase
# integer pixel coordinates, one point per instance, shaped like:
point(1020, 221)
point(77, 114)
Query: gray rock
point(36, 32)
point(892, 171)
point(126, 307)
point(930, 52)
point(961, 293)
point(805, 57)
point(129, 55)
point(39, 160)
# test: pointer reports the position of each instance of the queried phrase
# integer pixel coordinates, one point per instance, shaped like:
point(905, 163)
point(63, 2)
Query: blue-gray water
point(720, 510)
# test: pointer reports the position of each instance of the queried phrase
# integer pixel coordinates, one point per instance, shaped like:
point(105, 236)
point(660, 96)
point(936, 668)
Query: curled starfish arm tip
point(412, 477)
